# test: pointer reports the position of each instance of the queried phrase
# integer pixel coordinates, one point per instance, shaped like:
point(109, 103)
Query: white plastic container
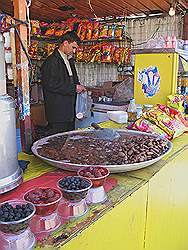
point(118, 116)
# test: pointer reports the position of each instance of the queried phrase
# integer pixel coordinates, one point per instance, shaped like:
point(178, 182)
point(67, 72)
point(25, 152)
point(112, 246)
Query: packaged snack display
point(171, 126)
point(147, 126)
point(176, 101)
point(174, 113)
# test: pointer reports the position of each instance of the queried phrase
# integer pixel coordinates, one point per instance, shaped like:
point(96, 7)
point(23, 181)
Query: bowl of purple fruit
point(74, 188)
point(15, 216)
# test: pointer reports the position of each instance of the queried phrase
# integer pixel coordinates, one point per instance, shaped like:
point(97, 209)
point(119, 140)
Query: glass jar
point(132, 111)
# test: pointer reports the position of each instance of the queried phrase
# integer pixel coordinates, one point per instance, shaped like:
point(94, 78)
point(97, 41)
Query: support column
point(23, 77)
point(2, 67)
point(185, 27)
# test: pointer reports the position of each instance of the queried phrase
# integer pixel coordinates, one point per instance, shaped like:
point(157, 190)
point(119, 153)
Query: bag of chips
point(176, 101)
point(95, 33)
point(89, 31)
point(171, 126)
point(147, 126)
point(174, 113)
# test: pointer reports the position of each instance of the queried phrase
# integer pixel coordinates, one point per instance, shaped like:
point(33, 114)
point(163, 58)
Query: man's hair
point(71, 37)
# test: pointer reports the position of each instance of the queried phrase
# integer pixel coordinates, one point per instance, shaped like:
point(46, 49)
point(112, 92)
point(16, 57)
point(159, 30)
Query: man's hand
point(80, 88)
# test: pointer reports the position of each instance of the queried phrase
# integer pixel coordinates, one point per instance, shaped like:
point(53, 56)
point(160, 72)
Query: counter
point(146, 209)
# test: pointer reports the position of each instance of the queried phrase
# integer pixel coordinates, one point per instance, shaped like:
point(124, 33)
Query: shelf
point(55, 39)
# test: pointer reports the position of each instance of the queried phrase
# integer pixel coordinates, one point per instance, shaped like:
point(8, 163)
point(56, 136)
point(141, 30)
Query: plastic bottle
point(132, 111)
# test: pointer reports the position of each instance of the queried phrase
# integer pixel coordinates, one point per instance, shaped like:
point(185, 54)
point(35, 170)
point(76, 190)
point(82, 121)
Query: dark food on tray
point(42, 195)
point(127, 149)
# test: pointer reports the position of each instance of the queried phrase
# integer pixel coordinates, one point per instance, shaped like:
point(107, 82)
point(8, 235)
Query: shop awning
point(60, 10)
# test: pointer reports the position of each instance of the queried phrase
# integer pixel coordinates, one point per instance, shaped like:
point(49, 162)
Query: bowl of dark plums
point(15, 216)
point(45, 200)
point(74, 188)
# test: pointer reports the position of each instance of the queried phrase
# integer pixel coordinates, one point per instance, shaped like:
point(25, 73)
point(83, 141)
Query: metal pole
point(23, 77)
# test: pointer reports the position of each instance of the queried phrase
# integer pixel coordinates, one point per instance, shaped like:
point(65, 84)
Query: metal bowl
point(112, 168)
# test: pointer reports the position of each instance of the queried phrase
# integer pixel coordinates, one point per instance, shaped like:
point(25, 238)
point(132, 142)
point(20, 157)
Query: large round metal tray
point(112, 168)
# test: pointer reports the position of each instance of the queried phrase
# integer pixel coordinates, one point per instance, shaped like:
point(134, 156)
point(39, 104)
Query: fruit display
point(96, 174)
point(74, 188)
point(88, 150)
point(46, 200)
point(15, 216)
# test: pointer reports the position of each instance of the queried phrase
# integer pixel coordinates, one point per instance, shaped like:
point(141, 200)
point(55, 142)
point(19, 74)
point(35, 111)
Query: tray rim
point(113, 168)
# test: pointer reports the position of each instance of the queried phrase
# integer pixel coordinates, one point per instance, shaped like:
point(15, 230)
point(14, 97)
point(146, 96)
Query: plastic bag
point(81, 105)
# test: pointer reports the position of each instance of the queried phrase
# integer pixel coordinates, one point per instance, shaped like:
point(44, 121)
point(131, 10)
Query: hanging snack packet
point(89, 31)
point(59, 31)
point(35, 27)
point(107, 53)
point(111, 30)
point(33, 49)
point(118, 56)
point(95, 34)
point(103, 31)
point(176, 101)
point(118, 32)
point(51, 29)
point(171, 126)
point(174, 113)
point(147, 126)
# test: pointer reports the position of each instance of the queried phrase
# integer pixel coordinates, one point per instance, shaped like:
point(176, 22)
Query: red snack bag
point(107, 53)
point(118, 31)
point(51, 29)
point(174, 113)
point(103, 31)
point(171, 126)
point(176, 101)
point(35, 27)
point(95, 34)
point(147, 126)
point(89, 31)
point(33, 49)
point(60, 29)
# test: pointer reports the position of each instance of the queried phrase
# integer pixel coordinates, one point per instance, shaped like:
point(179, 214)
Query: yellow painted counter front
point(147, 210)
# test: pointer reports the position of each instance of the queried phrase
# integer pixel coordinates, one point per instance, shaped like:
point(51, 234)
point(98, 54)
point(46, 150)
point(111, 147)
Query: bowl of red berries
point(15, 216)
point(45, 200)
point(74, 188)
point(97, 175)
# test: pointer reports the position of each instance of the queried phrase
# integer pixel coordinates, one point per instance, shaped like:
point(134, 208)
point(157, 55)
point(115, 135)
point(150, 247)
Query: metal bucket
point(10, 174)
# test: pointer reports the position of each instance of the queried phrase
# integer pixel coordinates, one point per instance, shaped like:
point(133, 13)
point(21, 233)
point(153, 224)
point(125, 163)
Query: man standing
point(60, 85)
